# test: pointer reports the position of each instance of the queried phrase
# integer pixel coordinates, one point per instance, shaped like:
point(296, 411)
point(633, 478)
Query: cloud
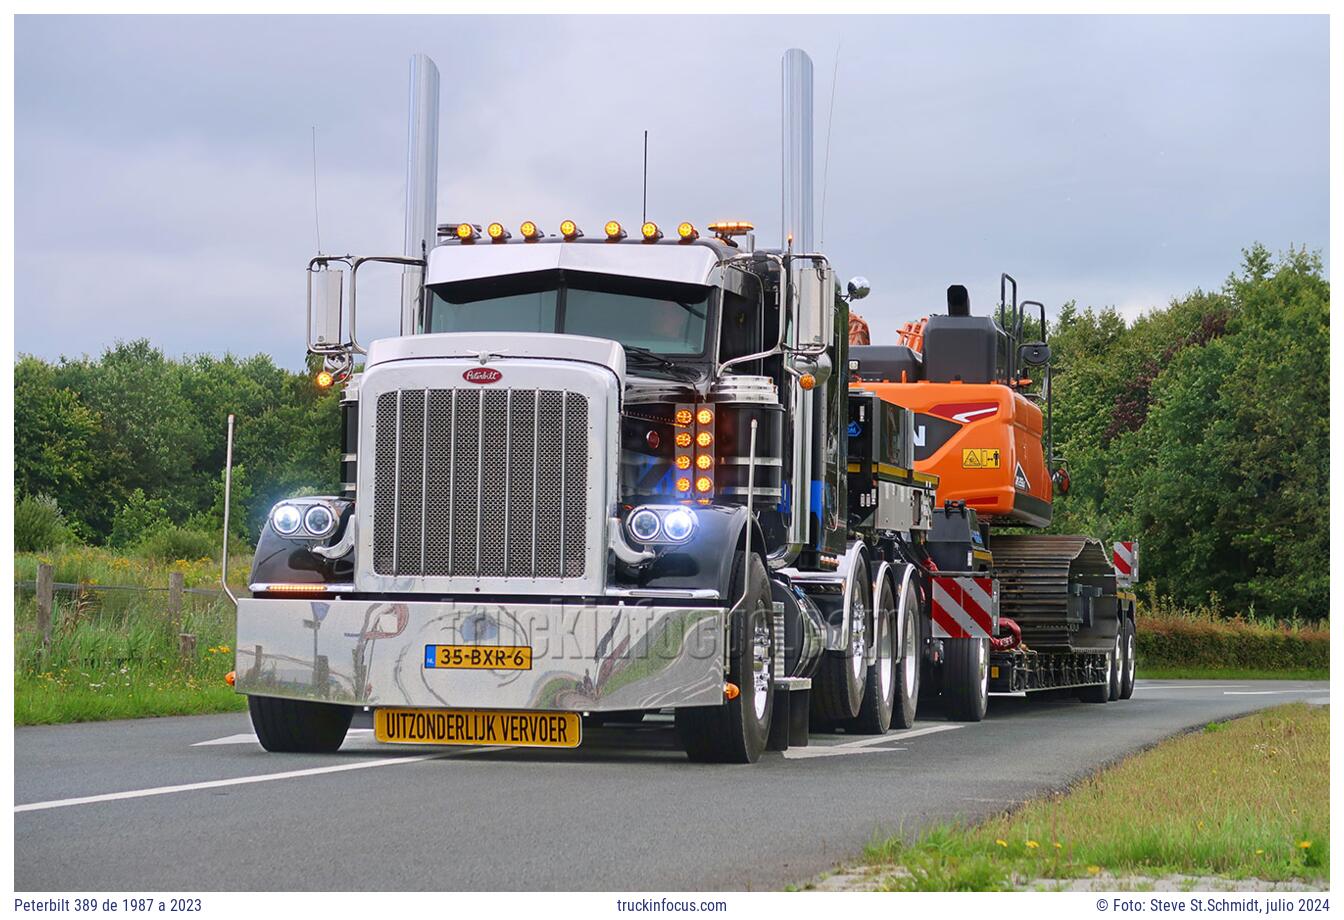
point(163, 183)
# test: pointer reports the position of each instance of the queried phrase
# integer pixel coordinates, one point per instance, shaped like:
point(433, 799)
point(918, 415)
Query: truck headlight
point(319, 521)
point(678, 524)
point(644, 525)
point(285, 519)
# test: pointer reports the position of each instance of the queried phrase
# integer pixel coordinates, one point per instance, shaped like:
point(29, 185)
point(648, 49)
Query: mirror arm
point(354, 267)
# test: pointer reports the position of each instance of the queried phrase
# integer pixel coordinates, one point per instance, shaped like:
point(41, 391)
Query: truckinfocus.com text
point(647, 905)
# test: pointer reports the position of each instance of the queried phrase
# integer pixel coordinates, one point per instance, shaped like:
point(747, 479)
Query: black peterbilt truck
point(604, 474)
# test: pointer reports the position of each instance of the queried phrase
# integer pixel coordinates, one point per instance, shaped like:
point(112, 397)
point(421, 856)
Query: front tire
point(966, 679)
point(736, 731)
point(299, 726)
point(1117, 663)
point(879, 694)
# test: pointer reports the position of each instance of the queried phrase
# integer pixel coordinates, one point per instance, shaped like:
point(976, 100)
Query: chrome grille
point(480, 483)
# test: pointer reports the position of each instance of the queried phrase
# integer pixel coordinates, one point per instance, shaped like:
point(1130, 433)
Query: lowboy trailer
point(601, 475)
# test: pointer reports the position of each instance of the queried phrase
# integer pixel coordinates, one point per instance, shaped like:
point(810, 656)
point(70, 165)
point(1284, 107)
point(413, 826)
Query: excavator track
point(1059, 589)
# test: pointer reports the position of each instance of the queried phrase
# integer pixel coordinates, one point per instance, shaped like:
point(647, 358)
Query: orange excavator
point(982, 405)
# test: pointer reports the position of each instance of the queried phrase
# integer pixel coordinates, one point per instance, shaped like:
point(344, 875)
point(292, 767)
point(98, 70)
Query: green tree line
point(1199, 429)
point(1202, 431)
point(134, 442)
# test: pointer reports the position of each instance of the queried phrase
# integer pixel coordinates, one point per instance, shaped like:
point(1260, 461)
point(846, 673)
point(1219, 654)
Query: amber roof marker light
point(530, 231)
point(650, 232)
point(686, 232)
point(615, 232)
point(727, 229)
point(570, 231)
point(497, 233)
point(466, 233)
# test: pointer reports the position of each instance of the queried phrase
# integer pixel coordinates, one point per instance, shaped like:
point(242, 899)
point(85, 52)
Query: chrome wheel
point(910, 656)
point(762, 663)
point(886, 659)
point(857, 626)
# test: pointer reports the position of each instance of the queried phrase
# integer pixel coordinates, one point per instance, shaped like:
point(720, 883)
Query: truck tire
point(879, 692)
point(299, 726)
point(966, 679)
point(736, 731)
point(1117, 662)
point(837, 690)
point(1101, 693)
point(1130, 663)
point(906, 701)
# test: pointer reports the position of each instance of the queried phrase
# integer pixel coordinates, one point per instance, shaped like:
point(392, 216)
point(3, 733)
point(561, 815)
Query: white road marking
point(1148, 686)
point(251, 738)
point(1267, 692)
point(863, 745)
point(236, 781)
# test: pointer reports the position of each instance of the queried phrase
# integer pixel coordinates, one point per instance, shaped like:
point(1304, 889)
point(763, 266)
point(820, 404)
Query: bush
point(170, 543)
point(39, 525)
point(1202, 639)
point(137, 519)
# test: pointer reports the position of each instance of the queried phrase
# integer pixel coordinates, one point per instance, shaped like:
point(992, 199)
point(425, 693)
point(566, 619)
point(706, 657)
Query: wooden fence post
point(175, 587)
point(186, 646)
point(44, 603)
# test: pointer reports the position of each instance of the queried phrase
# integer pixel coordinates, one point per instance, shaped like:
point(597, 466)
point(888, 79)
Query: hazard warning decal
point(1126, 560)
point(1020, 481)
point(980, 458)
point(964, 608)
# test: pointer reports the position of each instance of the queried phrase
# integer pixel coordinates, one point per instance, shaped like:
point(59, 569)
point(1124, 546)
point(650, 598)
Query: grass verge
point(114, 654)
point(1248, 798)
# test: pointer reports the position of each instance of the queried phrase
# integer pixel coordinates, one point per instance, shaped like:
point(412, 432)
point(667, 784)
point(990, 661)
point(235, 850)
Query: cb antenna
point(317, 223)
point(644, 209)
point(826, 166)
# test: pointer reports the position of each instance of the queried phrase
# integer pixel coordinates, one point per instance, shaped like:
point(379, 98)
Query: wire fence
point(89, 586)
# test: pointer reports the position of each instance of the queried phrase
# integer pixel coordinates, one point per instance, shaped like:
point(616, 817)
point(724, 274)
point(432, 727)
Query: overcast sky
point(164, 178)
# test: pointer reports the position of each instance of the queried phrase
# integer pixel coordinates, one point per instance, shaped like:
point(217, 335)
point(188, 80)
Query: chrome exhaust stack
point(422, 185)
point(796, 237)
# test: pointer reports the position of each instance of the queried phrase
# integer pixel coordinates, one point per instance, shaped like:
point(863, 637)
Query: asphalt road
point(194, 804)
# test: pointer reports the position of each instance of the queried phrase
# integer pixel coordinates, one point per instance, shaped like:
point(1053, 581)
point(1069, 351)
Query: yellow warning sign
point(980, 458)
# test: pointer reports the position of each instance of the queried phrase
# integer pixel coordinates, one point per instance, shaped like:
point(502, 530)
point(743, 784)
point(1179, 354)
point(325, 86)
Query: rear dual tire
point(879, 693)
point(1130, 663)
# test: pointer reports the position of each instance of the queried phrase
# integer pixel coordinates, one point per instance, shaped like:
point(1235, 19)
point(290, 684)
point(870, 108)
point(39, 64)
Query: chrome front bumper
point(584, 657)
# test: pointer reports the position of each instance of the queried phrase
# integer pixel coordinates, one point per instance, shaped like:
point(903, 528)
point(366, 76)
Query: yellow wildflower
point(1032, 844)
point(1001, 842)
point(1094, 870)
point(1304, 844)
point(1058, 845)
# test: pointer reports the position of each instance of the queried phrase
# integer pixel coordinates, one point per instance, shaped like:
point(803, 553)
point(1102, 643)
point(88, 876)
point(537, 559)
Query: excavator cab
point(981, 425)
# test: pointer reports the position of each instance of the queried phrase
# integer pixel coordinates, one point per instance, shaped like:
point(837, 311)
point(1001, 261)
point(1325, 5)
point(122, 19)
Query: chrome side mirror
point(324, 308)
point(858, 287)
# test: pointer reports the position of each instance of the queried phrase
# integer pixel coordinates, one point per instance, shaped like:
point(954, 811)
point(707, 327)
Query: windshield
point(658, 316)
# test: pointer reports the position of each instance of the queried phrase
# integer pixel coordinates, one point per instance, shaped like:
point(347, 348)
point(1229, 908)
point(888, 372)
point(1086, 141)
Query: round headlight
point(319, 521)
point(644, 525)
point(285, 519)
point(678, 524)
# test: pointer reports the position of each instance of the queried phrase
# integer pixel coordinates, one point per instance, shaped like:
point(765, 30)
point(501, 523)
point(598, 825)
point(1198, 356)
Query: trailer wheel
point(1101, 693)
point(298, 726)
point(1117, 662)
point(837, 692)
point(736, 731)
point(966, 679)
point(1130, 659)
point(879, 693)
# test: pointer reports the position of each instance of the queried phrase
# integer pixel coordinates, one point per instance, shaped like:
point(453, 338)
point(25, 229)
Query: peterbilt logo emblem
point(482, 375)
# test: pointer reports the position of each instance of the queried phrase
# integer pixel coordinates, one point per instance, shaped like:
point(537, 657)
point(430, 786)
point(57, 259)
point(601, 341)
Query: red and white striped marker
point(964, 607)
point(1126, 560)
